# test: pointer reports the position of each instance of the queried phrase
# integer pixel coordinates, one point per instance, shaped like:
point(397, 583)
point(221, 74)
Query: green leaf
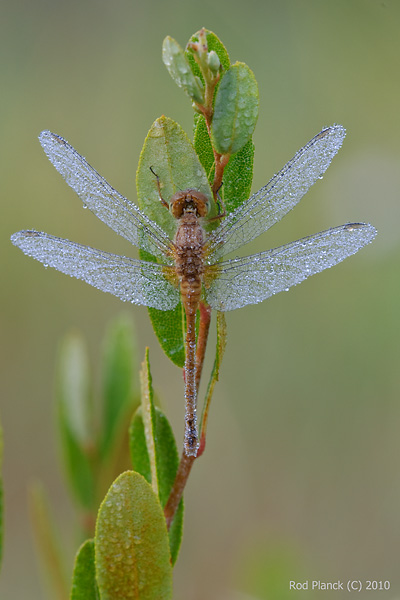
point(178, 67)
point(73, 396)
point(1, 497)
point(235, 109)
point(168, 150)
point(238, 174)
point(47, 542)
point(219, 354)
point(154, 454)
point(202, 145)
point(120, 395)
point(84, 586)
point(167, 465)
point(138, 447)
point(132, 550)
point(238, 177)
point(149, 418)
point(168, 327)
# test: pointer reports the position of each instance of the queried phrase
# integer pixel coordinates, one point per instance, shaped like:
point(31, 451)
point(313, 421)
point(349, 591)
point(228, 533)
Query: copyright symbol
point(354, 586)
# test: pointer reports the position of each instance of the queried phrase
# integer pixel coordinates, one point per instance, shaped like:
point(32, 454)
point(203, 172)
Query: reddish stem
point(204, 327)
point(186, 462)
point(179, 485)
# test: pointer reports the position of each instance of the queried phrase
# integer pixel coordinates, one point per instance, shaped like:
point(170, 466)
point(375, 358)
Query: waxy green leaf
point(168, 327)
point(170, 153)
point(235, 109)
point(238, 174)
point(154, 454)
point(132, 548)
point(203, 147)
point(238, 177)
point(84, 586)
point(178, 67)
point(73, 396)
point(148, 413)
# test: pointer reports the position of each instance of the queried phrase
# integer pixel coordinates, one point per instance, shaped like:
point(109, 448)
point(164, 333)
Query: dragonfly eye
point(188, 201)
point(201, 203)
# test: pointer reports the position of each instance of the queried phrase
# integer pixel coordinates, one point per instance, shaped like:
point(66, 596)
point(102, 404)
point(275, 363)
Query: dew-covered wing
point(116, 211)
point(272, 202)
point(241, 281)
point(136, 281)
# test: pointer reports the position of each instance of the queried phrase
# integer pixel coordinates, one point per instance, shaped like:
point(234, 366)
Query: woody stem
point(186, 461)
point(179, 485)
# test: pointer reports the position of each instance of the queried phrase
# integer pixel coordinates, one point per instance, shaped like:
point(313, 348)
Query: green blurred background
point(301, 475)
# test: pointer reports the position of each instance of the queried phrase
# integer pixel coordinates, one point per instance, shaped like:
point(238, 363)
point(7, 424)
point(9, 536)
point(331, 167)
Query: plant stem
point(191, 434)
point(186, 462)
point(177, 489)
point(220, 160)
point(204, 326)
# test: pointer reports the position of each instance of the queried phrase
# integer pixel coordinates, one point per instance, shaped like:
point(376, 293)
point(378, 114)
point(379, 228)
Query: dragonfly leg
point(220, 205)
point(163, 202)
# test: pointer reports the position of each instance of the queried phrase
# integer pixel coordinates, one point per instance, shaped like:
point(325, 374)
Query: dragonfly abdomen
point(191, 294)
point(190, 288)
point(189, 265)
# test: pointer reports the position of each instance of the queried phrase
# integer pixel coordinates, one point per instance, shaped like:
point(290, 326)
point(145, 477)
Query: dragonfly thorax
point(189, 246)
point(189, 201)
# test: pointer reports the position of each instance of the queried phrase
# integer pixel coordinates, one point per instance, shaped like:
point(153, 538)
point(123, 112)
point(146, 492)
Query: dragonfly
point(192, 267)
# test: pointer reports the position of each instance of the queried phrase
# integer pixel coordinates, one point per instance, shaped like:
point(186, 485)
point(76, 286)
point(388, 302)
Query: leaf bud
point(213, 62)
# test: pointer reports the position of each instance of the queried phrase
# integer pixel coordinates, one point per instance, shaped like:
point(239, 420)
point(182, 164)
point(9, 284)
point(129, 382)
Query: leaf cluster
point(120, 467)
point(132, 553)
point(219, 161)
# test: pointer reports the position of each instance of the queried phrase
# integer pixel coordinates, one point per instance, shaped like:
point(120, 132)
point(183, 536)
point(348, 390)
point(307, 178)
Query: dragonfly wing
point(241, 281)
point(136, 281)
point(124, 217)
point(272, 202)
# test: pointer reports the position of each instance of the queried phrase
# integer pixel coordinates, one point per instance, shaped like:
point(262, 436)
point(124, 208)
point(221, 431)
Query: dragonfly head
point(189, 201)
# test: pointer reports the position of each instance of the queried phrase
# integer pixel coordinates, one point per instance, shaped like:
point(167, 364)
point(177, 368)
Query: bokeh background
point(301, 478)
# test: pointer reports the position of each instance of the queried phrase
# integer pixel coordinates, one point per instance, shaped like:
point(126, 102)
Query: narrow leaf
point(153, 452)
point(119, 383)
point(132, 550)
point(84, 586)
point(73, 396)
point(47, 543)
point(167, 460)
point(178, 67)
point(138, 447)
point(149, 418)
point(235, 109)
